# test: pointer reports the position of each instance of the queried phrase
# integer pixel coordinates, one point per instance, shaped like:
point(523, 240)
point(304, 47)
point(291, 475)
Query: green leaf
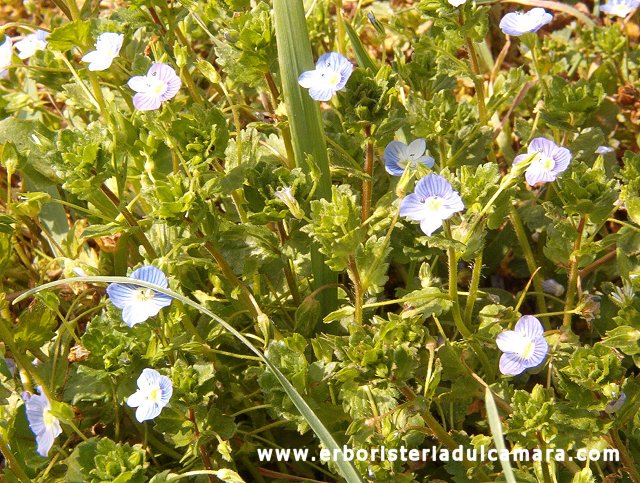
point(496, 431)
point(70, 35)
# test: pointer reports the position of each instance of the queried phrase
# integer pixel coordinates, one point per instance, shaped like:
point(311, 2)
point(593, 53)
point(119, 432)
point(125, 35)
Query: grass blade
point(496, 432)
point(305, 121)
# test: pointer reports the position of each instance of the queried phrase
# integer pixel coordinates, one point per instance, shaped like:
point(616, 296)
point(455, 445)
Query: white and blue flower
point(159, 84)
point(620, 8)
point(397, 156)
point(550, 161)
point(330, 75)
point(433, 201)
point(44, 425)
point(524, 347)
point(154, 392)
point(6, 52)
point(108, 47)
point(519, 23)
point(140, 303)
point(32, 43)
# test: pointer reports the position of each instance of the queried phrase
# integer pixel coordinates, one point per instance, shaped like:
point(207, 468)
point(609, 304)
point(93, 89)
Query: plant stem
point(367, 182)
point(357, 287)
point(206, 460)
point(453, 286)
point(478, 81)
point(518, 227)
point(473, 289)
point(13, 462)
point(284, 128)
point(572, 284)
point(625, 456)
point(130, 219)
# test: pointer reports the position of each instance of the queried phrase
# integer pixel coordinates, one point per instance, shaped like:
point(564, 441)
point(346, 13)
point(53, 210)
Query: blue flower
point(154, 392)
point(398, 155)
point(433, 201)
point(620, 8)
point(524, 347)
point(159, 84)
point(6, 52)
point(604, 149)
point(140, 303)
point(108, 47)
point(519, 23)
point(32, 43)
point(44, 425)
point(552, 287)
point(550, 161)
point(615, 404)
point(330, 75)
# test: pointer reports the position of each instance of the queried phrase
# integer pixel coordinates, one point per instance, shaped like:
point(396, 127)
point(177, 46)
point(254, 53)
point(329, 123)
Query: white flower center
point(144, 294)
point(433, 204)
point(621, 10)
point(545, 162)
point(48, 418)
point(332, 78)
point(524, 347)
point(156, 86)
point(154, 394)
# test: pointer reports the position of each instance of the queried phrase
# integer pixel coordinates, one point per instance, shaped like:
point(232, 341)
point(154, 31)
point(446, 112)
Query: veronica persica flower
point(286, 196)
point(397, 155)
point(433, 201)
point(457, 3)
point(604, 150)
point(330, 75)
point(140, 303)
point(108, 47)
point(32, 43)
point(620, 8)
point(524, 347)
point(44, 425)
point(6, 52)
point(154, 392)
point(519, 23)
point(549, 162)
point(159, 84)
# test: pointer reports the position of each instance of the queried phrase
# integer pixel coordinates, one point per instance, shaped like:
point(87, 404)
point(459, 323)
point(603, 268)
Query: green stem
point(473, 289)
point(518, 227)
point(625, 456)
point(365, 211)
point(453, 286)
point(357, 287)
point(478, 81)
point(13, 462)
point(73, 9)
point(572, 284)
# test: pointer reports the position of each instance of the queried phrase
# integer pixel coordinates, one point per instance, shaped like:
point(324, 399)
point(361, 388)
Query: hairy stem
point(367, 182)
point(572, 284)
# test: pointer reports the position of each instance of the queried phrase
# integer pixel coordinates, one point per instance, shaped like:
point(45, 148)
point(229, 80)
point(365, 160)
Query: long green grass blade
point(305, 121)
point(496, 431)
point(347, 470)
point(362, 56)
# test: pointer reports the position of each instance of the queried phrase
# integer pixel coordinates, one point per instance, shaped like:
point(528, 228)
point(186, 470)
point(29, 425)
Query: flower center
point(333, 78)
point(156, 87)
point(621, 10)
point(48, 418)
point(143, 294)
point(545, 162)
point(433, 204)
point(154, 394)
point(524, 347)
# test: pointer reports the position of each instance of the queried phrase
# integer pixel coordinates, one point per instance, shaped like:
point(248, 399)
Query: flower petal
point(121, 294)
point(309, 79)
point(416, 148)
point(507, 340)
point(529, 326)
point(138, 83)
point(433, 185)
point(511, 365)
point(146, 102)
point(147, 410)
point(151, 274)
point(429, 225)
point(541, 348)
point(412, 207)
